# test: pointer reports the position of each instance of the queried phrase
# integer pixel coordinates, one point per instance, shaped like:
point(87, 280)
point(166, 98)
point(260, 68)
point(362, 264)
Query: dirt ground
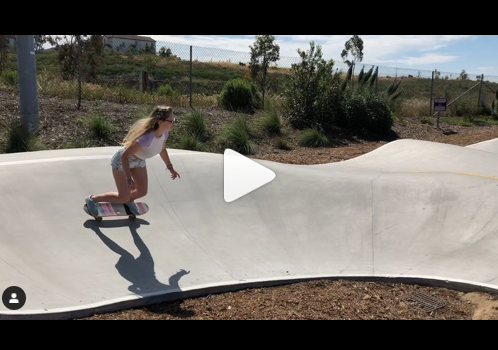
point(320, 300)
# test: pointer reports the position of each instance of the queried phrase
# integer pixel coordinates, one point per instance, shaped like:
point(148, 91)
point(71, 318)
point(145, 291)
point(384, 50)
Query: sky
point(477, 54)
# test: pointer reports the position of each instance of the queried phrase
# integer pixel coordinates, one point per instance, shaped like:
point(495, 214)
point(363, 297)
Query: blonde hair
point(147, 124)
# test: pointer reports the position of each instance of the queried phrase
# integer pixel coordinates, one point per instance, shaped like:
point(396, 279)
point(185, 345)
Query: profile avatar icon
point(14, 299)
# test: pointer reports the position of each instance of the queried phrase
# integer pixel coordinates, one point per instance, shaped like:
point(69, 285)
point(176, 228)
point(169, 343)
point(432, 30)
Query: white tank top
point(151, 144)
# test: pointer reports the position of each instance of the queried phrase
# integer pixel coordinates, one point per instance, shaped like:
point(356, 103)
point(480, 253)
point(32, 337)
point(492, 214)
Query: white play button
point(243, 175)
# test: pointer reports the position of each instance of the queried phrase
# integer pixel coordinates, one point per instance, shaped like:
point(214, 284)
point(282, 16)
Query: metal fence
point(188, 75)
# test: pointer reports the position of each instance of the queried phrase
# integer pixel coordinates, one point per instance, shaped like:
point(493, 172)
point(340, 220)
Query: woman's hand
point(174, 174)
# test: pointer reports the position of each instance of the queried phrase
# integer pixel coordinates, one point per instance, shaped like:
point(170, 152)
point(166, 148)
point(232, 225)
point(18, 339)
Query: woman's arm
point(167, 161)
point(165, 157)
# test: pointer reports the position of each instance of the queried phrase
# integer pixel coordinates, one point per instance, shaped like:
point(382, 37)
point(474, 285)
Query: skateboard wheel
point(99, 219)
point(132, 217)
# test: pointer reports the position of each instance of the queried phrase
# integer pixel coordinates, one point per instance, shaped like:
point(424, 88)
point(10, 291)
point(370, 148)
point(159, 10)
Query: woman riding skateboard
point(145, 140)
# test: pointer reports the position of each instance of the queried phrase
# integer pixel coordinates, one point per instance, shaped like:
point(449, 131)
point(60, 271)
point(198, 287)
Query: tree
point(313, 95)
point(149, 63)
point(264, 52)
point(165, 52)
point(79, 55)
point(463, 75)
point(148, 49)
point(92, 47)
point(353, 47)
point(3, 42)
point(67, 55)
point(494, 106)
point(93, 56)
point(40, 40)
point(132, 49)
point(79, 41)
point(4, 57)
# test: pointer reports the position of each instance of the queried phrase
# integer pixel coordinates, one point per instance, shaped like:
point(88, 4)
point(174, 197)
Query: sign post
point(439, 106)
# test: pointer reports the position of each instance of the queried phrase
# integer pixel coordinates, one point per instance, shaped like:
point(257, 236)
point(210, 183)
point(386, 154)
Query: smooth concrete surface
point(409, 211)
point(488, 146)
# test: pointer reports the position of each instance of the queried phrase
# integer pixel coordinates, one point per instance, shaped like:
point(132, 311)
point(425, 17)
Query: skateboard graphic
point(117, 209)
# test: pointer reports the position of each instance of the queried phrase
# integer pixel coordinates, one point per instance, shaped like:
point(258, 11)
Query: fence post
point(264, 81)
point(480, 94)
point(376, 81)
point(352, 77)
point(28, 90)
point(432, 94)
point(190, 83)
point(80, 56)
point(144, 81)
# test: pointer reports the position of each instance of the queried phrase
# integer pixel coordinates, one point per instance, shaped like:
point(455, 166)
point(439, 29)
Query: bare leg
point(141, 183)
point(122, 196)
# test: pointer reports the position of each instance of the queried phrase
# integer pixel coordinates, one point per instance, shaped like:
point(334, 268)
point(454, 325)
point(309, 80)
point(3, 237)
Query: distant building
point(129, 43)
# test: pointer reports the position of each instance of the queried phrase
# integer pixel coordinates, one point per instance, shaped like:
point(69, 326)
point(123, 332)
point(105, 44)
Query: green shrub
point(282, 143)
point(466, 106)
point(100, 126)
point(379, 116)
point(367, 114)
point(313, 138)
point(237, 95)
point(427, 121)
point(9, 77)
point(272, 121)
point(21, 140)
point(195, 124)
point(165, 89)
point(237, 136)
point(191, 143)
point(356, 113)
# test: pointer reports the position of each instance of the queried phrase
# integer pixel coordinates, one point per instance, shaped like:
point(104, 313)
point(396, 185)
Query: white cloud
point(382, 47)
point(389, 50)
point(490, 70)
point(377, 47)
point(424, 60)
point(407, 50)
point(332, 45)
point(210, 41)
point(486, 69)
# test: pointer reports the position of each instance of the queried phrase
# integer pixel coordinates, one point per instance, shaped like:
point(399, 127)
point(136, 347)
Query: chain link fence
point(141, 70)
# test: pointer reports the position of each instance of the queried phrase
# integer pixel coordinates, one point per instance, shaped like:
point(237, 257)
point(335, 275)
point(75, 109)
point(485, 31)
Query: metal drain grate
point(424, 302)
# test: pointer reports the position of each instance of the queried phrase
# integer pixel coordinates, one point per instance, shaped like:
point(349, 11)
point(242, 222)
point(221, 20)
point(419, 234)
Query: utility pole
point(28, 90)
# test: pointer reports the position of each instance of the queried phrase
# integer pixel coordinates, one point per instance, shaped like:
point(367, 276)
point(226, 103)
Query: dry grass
point(413, 107)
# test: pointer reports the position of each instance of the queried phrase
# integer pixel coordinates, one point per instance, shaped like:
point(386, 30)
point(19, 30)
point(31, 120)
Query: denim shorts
point(134, 161)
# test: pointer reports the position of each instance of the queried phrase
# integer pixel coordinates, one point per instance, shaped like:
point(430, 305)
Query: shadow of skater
point(139, 272)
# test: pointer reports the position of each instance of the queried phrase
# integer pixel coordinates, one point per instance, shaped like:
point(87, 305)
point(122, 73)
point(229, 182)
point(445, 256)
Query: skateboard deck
point(117, 209)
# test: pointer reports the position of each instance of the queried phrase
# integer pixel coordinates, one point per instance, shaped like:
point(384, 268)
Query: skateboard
point(117, 209)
